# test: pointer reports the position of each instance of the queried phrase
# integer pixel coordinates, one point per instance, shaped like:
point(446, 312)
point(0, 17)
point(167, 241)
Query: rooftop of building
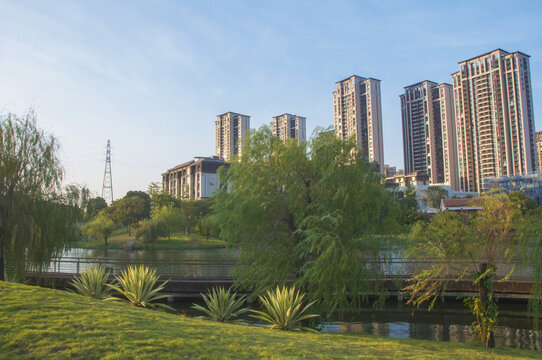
point(289, 115)
point(197, 159)
point(419, 83)
point(232, 112)
point(357, 76)
point(416, 174)
point(459, 204)
point(490, 52)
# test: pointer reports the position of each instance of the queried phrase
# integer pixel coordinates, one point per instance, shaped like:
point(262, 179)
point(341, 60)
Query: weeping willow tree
point(306, 213)
point(37, 218)
point(484, 247)
point(532, 260)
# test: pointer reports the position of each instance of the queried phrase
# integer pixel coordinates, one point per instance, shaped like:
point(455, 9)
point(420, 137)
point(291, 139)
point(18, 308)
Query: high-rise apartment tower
point(429, 141)
point(358, 114)
point(539, 149)
point(494, 118)
point(230, 130)
point(288, 126)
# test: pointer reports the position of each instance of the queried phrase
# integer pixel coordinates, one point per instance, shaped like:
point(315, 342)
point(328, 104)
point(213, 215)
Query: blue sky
point(152, 75)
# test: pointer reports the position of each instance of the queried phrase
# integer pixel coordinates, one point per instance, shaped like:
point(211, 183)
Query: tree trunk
point(207, 235)
point(2, 267)
point(129, 229)
point(105, 238)
point(488, 340)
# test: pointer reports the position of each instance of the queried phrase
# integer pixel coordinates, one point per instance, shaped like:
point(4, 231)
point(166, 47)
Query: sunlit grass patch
point(45, 323)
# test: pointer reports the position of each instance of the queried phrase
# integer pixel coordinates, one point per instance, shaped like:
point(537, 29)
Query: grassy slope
point(177, 242)
point(44, 323)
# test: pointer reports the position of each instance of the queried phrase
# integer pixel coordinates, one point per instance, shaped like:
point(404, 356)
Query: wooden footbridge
point(189, 278)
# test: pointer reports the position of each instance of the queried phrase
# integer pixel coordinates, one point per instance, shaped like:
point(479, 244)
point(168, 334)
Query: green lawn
point(177, 242)
point(44, 323)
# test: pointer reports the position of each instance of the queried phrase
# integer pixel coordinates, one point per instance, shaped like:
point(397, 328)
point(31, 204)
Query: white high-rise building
point(358, 114)
point(494, 118)
point(230, 130)
point(429, 141)
point(289, 126)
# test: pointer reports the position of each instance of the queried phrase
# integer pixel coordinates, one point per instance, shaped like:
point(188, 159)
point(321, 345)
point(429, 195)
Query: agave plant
point(92, 282)
point(137, 285)
point(222, 306)
point(284, 309)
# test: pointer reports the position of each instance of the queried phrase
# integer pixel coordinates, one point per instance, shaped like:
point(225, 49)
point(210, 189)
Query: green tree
point(163, 222)
point(161, 198)
point(146, 212)
point(463, 244)
point(37, 218)
point(408, 204)
point(526, 204)
point(195, 210)
point(100, 227)
point(532, 253)
point(172, 219)
point(206, 226)
point(94, 206)
point(434, 195)
point(128, 211)
point(150, 231)
point(305, 212)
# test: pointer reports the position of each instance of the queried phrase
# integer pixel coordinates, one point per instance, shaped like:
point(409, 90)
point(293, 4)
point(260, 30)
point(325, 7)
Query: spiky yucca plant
point(222, 306)
point(92, 282)
point(137, 285)
point(284, 309)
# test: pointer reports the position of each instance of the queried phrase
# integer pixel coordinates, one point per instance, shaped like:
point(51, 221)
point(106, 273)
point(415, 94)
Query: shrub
point(150, 230)
point(222, 306)
point(284, 309)
point(92, 282)
point(137, 285)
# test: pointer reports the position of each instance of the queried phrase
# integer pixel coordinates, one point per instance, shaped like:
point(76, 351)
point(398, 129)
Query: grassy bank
point(44, 323)
point(176, 242)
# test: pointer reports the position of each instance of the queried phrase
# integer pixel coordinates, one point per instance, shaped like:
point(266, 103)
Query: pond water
point(182, 263)
point(220, 254)
point(447, 322)
point(209, 262)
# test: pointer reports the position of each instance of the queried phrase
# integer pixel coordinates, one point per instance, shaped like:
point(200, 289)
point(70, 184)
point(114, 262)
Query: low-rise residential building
point(461, 205)
point(193, 180)
point(389, 171)
point(530, 184)
point(406, 180)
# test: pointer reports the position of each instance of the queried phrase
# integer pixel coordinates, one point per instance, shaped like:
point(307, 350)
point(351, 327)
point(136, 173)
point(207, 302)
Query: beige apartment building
point(358, 114)
point(429, 139)
point(539, 149)
point(289, 126)
point(193, 180)
point(406, 180)
point(494, 118)
point(230, 130)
